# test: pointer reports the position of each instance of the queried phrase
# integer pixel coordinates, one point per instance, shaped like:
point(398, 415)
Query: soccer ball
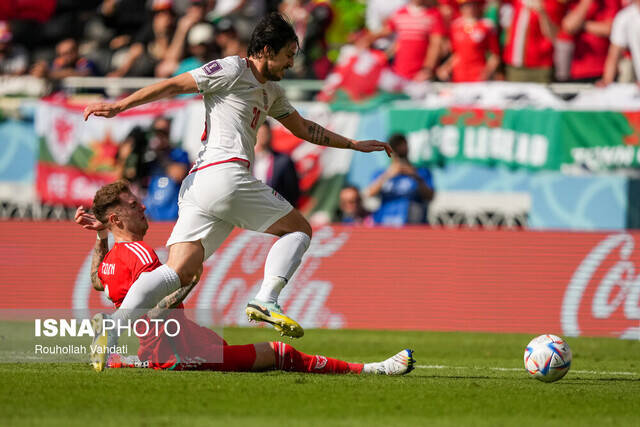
point(547, 358)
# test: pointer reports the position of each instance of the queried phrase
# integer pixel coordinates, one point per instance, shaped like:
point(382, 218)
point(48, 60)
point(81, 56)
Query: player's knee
point(301, 224)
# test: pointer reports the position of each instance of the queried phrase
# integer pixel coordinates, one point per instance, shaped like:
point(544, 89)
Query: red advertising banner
point(374, 278)
point(68, 185)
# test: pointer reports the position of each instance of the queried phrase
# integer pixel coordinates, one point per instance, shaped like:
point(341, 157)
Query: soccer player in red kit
point(117, 210)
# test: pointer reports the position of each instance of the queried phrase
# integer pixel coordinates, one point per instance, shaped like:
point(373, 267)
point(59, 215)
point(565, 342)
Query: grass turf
point(462, 379)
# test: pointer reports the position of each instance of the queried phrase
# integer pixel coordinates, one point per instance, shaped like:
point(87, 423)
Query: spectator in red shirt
point(474, 42)
point(419, 29)
point(589, 22)
point(528, 52)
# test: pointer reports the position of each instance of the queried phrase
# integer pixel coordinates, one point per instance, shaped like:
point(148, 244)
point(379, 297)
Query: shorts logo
point(212, 67)
point(321, 362)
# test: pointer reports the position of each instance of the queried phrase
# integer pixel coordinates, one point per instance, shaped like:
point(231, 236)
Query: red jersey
point(413, 27)
point(526, 45)
point(590, 51)
point(471, 41)
point(122, 265)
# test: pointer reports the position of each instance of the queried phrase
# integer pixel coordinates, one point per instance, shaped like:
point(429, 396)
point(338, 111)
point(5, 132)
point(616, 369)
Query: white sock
point(282, 261)
point(146, 292)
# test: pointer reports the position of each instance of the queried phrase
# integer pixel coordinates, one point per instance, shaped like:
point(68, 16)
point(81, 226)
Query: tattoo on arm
point(321, 136)
point(317, 135)
point(99, 251)
point(170, 301)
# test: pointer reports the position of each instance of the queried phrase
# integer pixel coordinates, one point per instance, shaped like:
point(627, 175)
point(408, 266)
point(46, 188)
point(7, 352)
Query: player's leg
point(285, 254)
point(288, 358)
point(266, 356)
point(255, 206)
point(283, 259)
point(195, 236)
point(184, 263)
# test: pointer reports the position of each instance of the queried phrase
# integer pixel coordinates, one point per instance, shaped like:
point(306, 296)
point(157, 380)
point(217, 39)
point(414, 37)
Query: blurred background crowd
point(446, 40)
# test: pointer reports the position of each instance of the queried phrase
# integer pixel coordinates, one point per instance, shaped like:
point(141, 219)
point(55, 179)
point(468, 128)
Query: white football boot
point(399, 364)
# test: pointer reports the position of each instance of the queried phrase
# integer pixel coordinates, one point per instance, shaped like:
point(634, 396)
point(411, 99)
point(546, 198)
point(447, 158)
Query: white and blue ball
point(547, 358)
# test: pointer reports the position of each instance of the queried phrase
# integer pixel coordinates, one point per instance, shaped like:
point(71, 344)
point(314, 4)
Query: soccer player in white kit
point(220, 193)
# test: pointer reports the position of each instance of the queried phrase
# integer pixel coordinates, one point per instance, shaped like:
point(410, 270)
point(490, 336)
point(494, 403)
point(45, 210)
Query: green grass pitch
point(461, 379)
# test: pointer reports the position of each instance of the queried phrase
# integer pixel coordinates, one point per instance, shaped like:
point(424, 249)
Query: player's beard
point(271, 75)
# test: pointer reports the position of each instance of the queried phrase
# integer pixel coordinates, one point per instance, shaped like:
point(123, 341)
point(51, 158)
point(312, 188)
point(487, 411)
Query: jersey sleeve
point(281, 107)
point(215, 75)
point(139, 258)
point(618, 31)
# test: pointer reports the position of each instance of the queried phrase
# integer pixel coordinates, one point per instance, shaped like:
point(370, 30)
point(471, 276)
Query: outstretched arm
point(183, 83)
point(316, 134)
point(89, 222)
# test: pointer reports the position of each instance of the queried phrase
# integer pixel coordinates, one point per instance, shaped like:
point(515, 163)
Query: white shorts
point(215, 199)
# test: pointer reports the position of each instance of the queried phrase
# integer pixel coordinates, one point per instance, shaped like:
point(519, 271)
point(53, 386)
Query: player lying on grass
point(113, 271)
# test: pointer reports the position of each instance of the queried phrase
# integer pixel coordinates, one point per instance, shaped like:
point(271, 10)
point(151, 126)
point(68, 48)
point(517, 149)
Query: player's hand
point(102, 109)
point(370, 145)
point(88, 221)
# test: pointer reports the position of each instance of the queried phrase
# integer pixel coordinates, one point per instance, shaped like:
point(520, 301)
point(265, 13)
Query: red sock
point(290, 359)
point(239, 358)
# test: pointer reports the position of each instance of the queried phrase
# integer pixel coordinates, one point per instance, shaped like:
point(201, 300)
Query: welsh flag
point(77, 157)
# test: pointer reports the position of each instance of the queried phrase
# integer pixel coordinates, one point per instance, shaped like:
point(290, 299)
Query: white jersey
point(236, 104)
point(625, 33)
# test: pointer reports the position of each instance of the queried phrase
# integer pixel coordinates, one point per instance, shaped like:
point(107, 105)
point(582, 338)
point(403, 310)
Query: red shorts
point(194, 348)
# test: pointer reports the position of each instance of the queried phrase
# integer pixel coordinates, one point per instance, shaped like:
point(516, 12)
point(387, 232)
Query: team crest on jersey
point(266, 100)
point(321, 362)
point(212, 67)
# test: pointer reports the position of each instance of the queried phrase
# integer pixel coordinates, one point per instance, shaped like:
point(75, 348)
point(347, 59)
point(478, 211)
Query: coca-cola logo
point(234, 274)
point(603, 296)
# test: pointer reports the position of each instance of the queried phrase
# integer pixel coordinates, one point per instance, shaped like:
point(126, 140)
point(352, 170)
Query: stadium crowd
point(357, 46)
point(345, 40)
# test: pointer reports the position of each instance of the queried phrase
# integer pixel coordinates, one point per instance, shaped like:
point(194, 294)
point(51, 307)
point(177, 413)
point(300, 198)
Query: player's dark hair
point(273, 32)
point(107, 197)
point(397, 139)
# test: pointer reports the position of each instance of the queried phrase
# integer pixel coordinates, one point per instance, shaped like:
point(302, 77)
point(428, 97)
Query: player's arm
point(99, 252)
point(183, 83)
point(316, 134)
point(89, 222)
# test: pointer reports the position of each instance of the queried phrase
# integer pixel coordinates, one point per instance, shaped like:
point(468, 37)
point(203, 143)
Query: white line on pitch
point(577, 371)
